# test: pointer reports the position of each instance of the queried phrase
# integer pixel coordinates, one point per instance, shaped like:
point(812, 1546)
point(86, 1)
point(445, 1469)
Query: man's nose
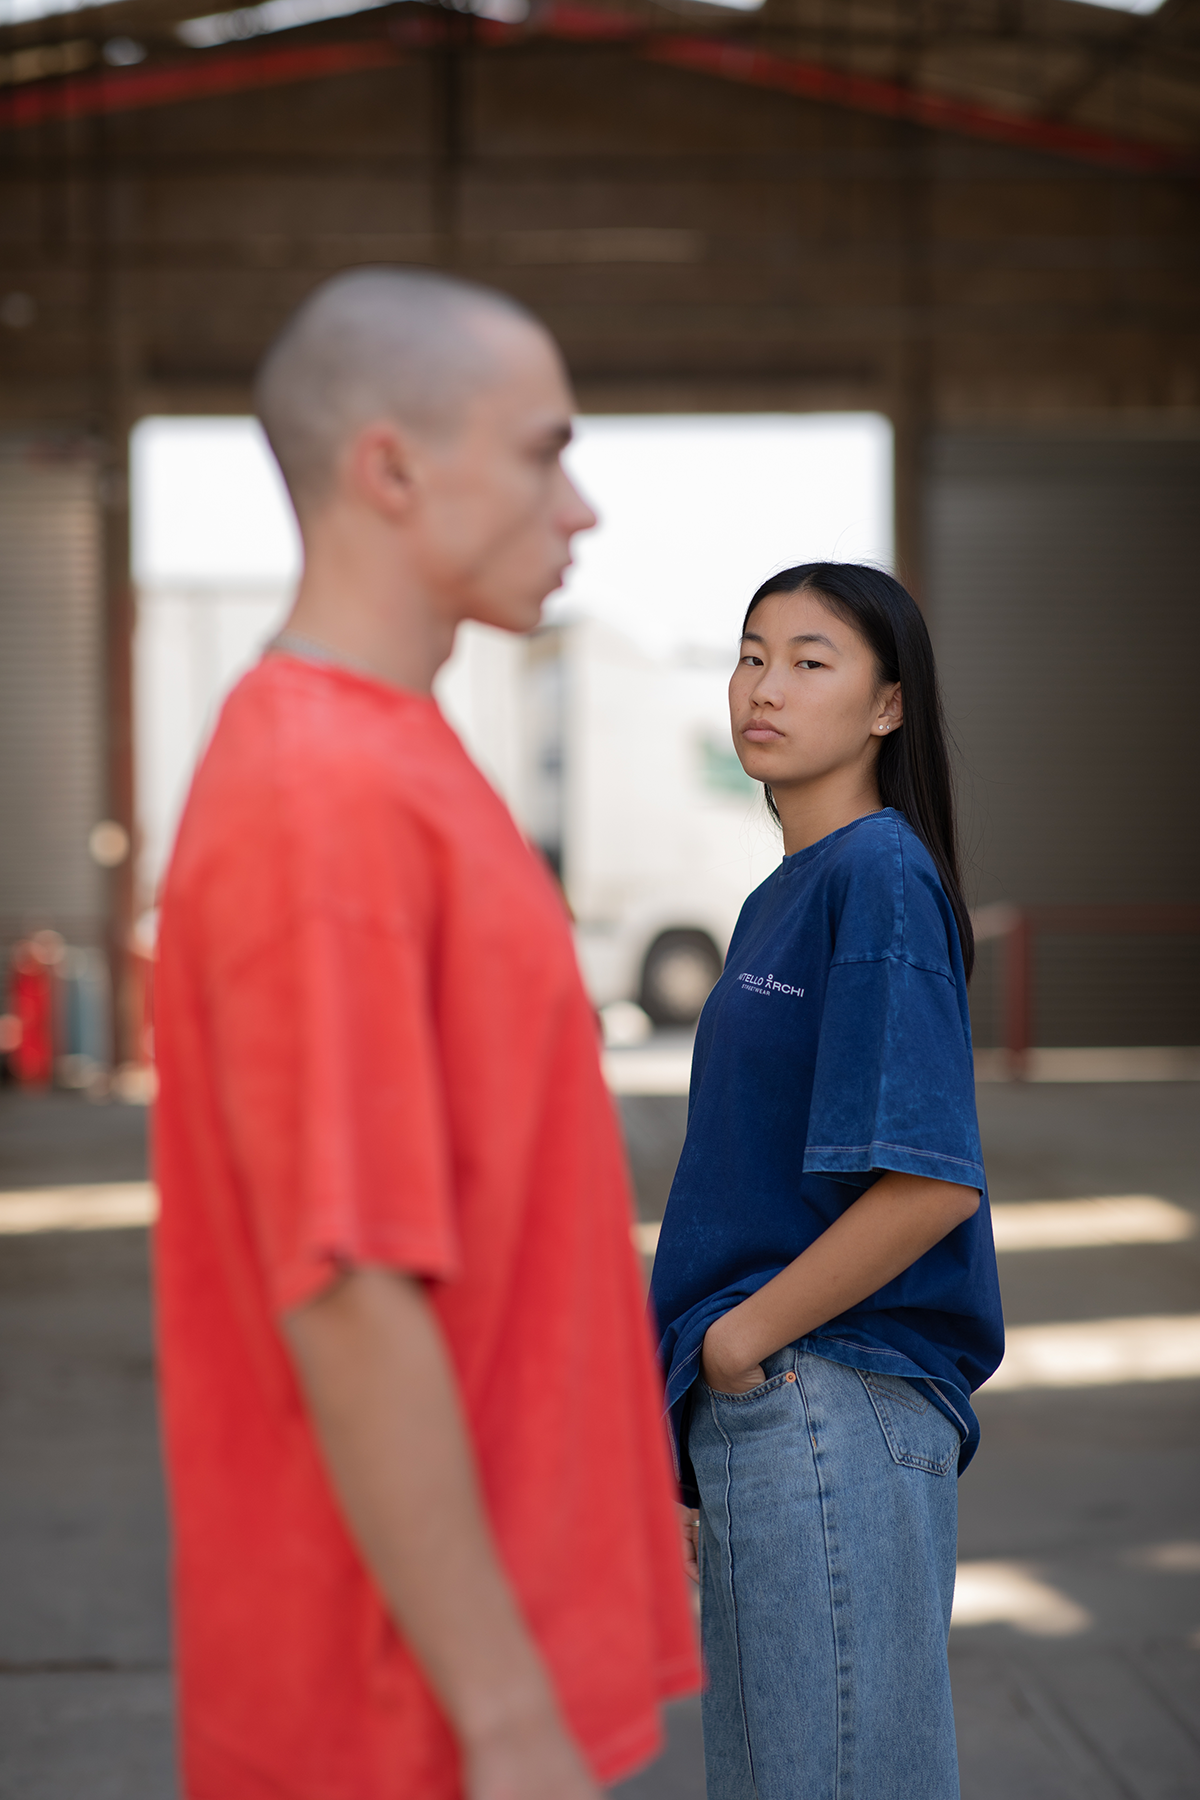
point(580, 516)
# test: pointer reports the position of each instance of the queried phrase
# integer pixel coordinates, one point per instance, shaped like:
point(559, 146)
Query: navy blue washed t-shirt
point(836, 1045)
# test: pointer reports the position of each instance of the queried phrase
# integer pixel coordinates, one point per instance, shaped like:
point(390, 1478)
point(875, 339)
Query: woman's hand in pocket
point(724, 1361)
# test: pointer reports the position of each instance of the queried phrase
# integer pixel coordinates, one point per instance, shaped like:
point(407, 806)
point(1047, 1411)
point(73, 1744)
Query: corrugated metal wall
point(1063, 598)
point(52, 779)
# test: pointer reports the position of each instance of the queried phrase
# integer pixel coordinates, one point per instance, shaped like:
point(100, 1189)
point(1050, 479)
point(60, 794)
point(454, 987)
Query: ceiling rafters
point(740, 56)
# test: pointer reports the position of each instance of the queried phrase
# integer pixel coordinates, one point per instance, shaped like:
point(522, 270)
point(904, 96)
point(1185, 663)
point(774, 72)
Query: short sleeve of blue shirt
point(894, 1084)
point(835, 1046)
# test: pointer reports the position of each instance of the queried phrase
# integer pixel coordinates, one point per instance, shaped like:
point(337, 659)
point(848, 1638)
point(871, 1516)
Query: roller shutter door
point(1063, 577)
point(51, 690)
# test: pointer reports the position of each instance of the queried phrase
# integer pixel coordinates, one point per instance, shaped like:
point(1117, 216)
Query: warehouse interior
point(978, 218)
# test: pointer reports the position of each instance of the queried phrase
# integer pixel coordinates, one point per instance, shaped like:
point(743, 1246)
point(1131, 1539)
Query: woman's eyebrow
point(802, 637)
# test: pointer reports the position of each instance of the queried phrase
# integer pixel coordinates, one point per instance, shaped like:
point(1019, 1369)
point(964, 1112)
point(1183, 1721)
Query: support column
point(913, 379)
point(115, 372)
point(911, 425)
point(118, 681)
point(450, 65)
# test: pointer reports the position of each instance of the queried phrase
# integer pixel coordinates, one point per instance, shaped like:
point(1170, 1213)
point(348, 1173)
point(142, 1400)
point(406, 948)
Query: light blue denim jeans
point(828, 1518)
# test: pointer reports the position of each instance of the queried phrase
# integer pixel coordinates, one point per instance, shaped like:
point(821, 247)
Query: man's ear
point(378, 467)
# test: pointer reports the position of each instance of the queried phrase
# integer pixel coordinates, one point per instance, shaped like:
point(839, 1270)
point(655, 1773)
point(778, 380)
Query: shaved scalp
point(403, 344)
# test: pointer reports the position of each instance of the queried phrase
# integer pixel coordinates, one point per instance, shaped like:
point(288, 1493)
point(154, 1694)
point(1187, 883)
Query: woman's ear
point(890, 716)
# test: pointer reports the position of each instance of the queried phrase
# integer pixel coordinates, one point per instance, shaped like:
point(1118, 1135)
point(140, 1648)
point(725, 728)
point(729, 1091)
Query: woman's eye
point(809, 663)
point(753, 661)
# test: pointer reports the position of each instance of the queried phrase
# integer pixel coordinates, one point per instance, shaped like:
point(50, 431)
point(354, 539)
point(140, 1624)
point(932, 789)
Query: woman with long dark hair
point(826, 1282)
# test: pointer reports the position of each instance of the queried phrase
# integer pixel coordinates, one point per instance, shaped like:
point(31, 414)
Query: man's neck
point(360, 612)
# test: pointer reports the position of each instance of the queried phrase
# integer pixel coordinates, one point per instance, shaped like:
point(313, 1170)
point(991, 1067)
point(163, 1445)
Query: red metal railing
point(1017, 928)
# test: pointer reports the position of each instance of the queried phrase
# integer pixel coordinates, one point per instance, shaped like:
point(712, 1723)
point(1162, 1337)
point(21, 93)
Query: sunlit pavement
point(1076, 1648)
point(1090, 1492)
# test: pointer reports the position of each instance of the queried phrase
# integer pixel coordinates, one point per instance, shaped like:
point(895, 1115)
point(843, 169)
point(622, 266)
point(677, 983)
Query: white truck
point(621, 769)
point(618, 766)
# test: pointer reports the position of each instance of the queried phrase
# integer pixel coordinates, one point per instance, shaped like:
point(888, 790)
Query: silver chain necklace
point(294, 643)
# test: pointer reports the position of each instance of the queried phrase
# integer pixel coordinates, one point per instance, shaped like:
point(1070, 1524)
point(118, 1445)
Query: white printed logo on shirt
point(767, 984)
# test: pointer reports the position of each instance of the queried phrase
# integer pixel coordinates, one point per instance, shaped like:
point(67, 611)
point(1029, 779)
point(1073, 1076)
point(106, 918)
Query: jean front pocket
point(918, 1434)
point(782, 1379)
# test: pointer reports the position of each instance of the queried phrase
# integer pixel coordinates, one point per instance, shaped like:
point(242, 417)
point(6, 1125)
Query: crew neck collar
point(310, 650)
point(799, 858)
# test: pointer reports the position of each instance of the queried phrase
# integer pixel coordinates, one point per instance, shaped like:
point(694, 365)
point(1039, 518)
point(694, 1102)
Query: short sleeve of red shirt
point(332, 1093)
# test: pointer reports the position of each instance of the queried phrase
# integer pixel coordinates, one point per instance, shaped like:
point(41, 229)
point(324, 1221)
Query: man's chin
point(517, 615)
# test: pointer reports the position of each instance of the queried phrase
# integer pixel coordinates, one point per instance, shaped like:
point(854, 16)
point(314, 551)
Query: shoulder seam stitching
point(845, 962)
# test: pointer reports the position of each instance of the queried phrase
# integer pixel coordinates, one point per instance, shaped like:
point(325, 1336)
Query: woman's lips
point(760, 732)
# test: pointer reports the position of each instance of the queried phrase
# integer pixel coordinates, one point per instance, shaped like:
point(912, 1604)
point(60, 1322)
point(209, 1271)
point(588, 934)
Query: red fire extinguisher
point(31, 998)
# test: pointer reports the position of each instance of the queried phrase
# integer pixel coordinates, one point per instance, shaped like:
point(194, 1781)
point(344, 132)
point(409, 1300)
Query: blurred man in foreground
point(423, 1516)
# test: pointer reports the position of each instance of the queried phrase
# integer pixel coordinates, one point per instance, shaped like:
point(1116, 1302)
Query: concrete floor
point(1093, 1493)
point(85, 1689)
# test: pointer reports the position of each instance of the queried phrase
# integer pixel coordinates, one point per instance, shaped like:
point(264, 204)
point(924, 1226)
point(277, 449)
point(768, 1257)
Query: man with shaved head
point(424, 1543)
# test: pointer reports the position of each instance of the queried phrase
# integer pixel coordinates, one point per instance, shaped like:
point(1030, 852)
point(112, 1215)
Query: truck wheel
point(677, 975)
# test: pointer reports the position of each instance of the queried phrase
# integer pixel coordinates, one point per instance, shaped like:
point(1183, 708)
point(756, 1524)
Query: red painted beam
point(730, 61)
point(890, 100)
point(199, 78)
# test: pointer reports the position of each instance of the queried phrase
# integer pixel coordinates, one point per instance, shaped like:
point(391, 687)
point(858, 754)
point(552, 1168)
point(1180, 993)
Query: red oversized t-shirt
point(374, 1047)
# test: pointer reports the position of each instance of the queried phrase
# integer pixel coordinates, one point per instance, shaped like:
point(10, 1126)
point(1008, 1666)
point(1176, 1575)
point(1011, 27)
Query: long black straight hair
point(913, 769)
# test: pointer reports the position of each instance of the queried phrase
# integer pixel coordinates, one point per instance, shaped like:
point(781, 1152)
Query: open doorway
point(654, 831)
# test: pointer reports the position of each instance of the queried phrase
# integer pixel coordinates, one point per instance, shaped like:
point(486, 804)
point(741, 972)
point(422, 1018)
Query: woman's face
point(805, 699)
